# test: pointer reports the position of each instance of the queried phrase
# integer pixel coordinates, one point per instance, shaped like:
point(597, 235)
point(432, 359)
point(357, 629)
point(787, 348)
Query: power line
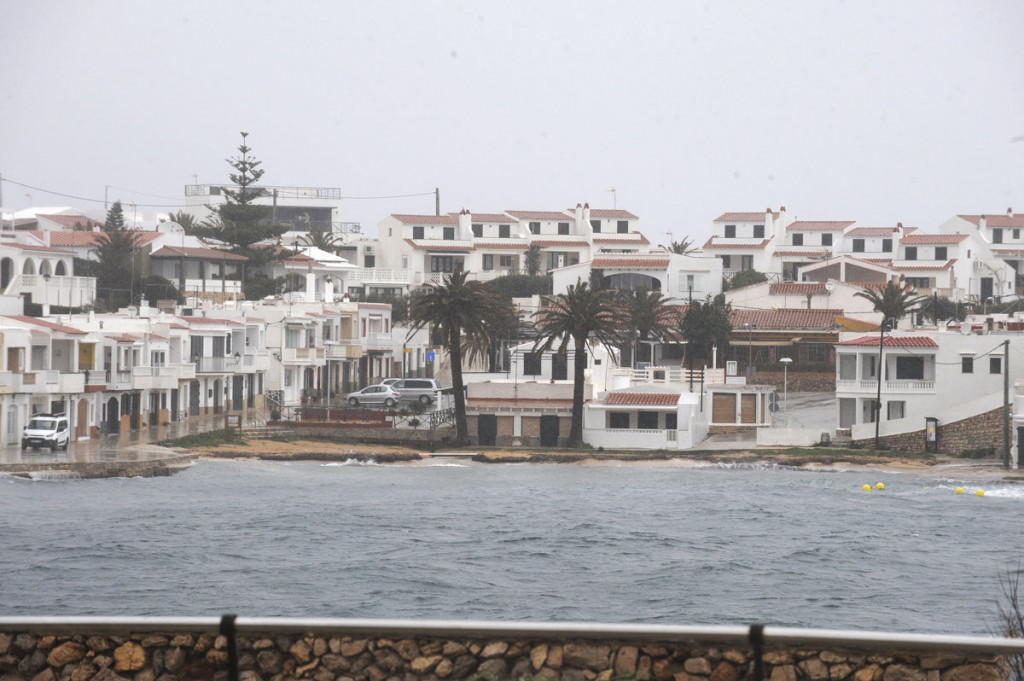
point(83, 198)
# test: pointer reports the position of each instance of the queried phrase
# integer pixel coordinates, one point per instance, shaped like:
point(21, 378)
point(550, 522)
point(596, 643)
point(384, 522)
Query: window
point(758, 231)
point(826, 239)
point(618, 419)
point(449, 234)
point(726, 262)
point(690, 282)
point(594, 225)
point(746, 262)
point(911, 252)
point(896, 409)
point(623, 226)
point(910, 368)
point(507, 262)
point(369, 261)
point(940, 252)
point(671, 421)
point(478, 231)
point(966, 365)
point(847, 367)
point(563, 227)
point(1016, 234)
point(417, 232)
point(488, 262)
point(288, 378)
point(534, 228)
point(919, 282)
point(730, 231)
point(798, 239)
point(886, 245)
point(997, 236)
point(647, 419)
point(995, 365)
point(443, 263)
point(531, 364)
point(504, 231)
point(858, 245)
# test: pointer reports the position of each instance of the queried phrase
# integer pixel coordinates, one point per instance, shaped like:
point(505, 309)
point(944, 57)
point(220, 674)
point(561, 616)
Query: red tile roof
point(812, 253)
point(82, 239)
point(488, 217)
point(998, 220)
point(743, 217)
point(522, 244)
point(42, 322)
point(643, 399)
point(1017, 251)
point(615, 214)
point(69, 221)
point(450, 219)
point(434, 245)
point(633, 263)
point(33, 247)
point(872, 231)
point(555, 242)
point(924, 268)
point(540, 215)
point(893, 341)
point(123, 339)
point(622, 239)
point(791, 288)
point(727, 243)
point(819, 225)
point(210, 320)
point(197, 253)
point(786, 318)
point(912, 239)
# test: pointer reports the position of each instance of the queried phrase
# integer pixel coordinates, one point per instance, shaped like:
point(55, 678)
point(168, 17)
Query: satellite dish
point(965, 328)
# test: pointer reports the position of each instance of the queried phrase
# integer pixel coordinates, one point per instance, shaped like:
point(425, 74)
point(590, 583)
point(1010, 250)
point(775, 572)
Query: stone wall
point(198, 656)
point(798, 381)
point(977, 432)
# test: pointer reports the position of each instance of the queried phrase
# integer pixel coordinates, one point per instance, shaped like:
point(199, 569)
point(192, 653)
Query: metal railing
point(724, 634)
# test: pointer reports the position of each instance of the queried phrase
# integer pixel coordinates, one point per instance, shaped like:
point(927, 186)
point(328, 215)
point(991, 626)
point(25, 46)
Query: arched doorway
point(29, 267)
point(44, 268)
point(60, 270)
point(216, 396)
point(6, 272)
point(113, 423)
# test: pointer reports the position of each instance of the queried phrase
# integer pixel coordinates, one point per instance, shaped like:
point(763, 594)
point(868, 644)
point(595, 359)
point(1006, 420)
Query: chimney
point(586, 214)
point(465, 224)
point(982, 222)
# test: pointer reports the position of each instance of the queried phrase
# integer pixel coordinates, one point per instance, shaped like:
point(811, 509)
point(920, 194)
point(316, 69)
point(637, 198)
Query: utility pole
point(437, 201)
point(1006, 403)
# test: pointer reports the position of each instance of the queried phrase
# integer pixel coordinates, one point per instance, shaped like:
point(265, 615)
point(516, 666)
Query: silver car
point(374, 395)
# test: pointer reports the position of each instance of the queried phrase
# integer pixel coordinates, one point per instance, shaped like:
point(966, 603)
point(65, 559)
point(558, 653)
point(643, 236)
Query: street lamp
point(886, 325)
point(46, 294)
point(786, 361)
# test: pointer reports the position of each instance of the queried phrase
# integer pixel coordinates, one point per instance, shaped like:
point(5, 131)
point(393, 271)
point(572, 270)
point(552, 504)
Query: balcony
point(121, 379)
point(870, 386)
point(379, 341)
point(306, 356)
point(255, 361)
point(381, 275)
point(213, 286)
point(155, 378)
point(47, 381)
point(217, 365)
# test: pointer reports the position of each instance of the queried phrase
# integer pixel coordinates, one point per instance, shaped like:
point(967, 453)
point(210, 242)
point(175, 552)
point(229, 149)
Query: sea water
point(658, 543)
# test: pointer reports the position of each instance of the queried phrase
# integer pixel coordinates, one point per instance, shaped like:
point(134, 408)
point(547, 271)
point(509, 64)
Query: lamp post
point(689, 345)
point(885, 326)
point(46, 294)
point(786, 361)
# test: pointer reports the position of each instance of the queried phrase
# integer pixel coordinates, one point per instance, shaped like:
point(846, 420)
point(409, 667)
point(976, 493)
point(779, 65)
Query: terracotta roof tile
point(517, 245)
point(892, 341)
point(500, 218)
point(197, 253)
point(744, 217)
point(633, 263)
point(819, 225)
point(604, 213)
point(813, 288)
point(643, 399)
point(210, 320)
point(786, 318)
point(732, 243)
point(70, 220)
point(436, 245)
point(912, 239)
point(42, 322)
point(998, 220)
point(540, 215)
point(817, 253)
point(638, 239)
point(556, 242)
point(82, 239)
point(33, 247)
point(451, 219)
point(937, 265)
point(872, 231)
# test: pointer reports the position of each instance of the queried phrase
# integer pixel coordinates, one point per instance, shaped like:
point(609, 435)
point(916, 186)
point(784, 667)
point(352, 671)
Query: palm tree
point(650, 316)
point(572, 317)
point(320, 237)
point(187, 221)
point(531, 260)
point(684, 247)
point(461, 313)
point(894, 301)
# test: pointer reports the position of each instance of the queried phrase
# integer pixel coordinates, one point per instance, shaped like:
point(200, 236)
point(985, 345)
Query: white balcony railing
point(871, 386)
point(381, 275)
point(213, 286)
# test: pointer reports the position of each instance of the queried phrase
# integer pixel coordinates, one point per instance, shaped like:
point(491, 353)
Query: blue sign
point(430, 355)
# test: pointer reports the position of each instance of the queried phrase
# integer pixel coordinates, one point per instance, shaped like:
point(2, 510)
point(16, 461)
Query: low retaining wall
point(90, 655)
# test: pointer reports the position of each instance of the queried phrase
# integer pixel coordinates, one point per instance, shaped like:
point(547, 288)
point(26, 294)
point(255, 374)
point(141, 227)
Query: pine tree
point(115, 218)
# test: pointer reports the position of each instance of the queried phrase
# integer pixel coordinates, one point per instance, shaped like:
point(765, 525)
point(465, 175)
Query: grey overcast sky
point(876, 111)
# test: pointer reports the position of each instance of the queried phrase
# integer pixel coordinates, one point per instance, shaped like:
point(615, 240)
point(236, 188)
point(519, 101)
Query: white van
point(46, 430)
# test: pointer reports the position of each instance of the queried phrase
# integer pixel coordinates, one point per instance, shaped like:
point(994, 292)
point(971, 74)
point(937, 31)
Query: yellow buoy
point(958, 490)
point(980, 493)
point(879, 486)
point(866, 488)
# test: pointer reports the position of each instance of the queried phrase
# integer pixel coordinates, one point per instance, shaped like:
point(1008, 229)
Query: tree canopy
point(894, 301)
point(706, 324)
point(744, 278)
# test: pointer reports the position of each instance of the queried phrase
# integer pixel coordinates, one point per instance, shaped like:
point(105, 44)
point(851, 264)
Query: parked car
point(390, 381)
point(46, 430)
point(374, 395)
point(426, 390)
